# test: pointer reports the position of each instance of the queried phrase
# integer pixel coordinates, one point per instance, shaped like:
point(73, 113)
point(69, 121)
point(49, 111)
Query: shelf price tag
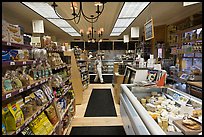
point(27, 122)
point(12, 63)
point(24, 62)
point(8, 43)
point(20, 90)
point(8, 95)
point(34, 62)
point(28, 87)
point(34, 115)
point(17, 131)
point(36, 84)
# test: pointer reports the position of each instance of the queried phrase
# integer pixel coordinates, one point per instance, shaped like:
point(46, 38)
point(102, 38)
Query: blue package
point(5, 56)
point(13, 54)
point(3, 129)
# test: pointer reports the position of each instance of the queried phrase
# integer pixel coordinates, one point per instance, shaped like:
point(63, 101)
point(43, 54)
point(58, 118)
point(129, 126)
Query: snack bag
point(51, 114)
point(40, 94)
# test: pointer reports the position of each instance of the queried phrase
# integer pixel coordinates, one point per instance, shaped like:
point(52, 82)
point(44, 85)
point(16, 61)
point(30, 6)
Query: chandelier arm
point(79, 16)
point(93, 17)
point(61, 17)
point(91, 21)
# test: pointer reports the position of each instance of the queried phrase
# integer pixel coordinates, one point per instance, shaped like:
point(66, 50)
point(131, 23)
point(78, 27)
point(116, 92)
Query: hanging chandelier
point(77, 15)
point(91, 33)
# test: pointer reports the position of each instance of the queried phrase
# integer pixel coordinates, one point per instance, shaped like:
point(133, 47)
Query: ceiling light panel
point(128, 13)
point(123, 22)
point(69, 30)
point(46, 11)
point(60, 23)
point(42, 8)
point(132, 9)
point(116, 30)
point(74, 34)
point(115, 34)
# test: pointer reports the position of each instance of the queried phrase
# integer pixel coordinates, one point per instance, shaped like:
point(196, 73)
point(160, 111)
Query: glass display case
point(158, 111)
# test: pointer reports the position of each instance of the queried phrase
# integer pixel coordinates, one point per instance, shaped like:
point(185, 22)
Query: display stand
point(75, 78)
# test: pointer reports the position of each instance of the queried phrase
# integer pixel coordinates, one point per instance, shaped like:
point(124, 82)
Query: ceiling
point(161, 12)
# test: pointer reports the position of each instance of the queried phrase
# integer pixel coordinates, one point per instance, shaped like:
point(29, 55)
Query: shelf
point(59, 67)
point(66, 129)
point(54, 128)
point(189, 41)
point(84, 71)
point(53, 50)
point(22, 46)
point(23, 89)
point(79, 60)
point(57, 99)
point(31, 118)
point(82, 66)
point(85, 79)
point(21, 63)
point(72, 100)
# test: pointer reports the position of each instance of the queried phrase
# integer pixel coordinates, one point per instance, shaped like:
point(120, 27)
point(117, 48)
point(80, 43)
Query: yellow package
point(13, 117)
point(41, 125)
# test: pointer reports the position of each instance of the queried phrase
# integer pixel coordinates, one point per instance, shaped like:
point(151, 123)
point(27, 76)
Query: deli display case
point(159, 111)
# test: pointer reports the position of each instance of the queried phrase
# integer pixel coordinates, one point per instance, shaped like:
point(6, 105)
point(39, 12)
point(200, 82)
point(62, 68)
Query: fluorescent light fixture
point(189, 3)
point(116, 30)
point(127, 15)
point(132, 9)
point(46, 11)
point(123, 22)
point(74, 34)
point(42, 8)
point(59, 22)
point(69, 30)
point(115, 34)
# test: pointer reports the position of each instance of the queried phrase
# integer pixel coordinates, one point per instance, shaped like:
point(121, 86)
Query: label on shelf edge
point(27, 122)
point(28, 87)
point(12, 63)
point(34, 115)
point(8, 43)
point(20, 90)
point(36, 84)
point(24, 62)
point(34, 62)
point(17, 131)
point(8, 95)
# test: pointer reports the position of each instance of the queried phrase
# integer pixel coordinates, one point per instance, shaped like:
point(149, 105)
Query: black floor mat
point(98, 130)
point(100, 104)
point(106, 78)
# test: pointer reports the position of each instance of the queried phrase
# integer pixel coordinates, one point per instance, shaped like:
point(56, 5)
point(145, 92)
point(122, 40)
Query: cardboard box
point(18, 39)
point(13, 29)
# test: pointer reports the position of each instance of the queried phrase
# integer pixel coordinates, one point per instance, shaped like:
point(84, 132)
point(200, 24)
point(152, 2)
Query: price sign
point(12, 63)
point(9, 43)
point(149, 30)
point(24, 62)
point(8, 95)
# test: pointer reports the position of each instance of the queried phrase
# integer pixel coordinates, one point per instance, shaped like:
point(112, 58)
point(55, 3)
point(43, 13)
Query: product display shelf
point(85, 79)
point(54, 128)
point(19, 63)
point(59, 67)
point(23, 89)
point(65, 131)
point(57, 99)
point(40, 109)
point(22, 46)
point(62, 115)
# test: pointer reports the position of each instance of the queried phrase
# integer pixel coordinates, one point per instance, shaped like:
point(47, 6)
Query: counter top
point(197, 84)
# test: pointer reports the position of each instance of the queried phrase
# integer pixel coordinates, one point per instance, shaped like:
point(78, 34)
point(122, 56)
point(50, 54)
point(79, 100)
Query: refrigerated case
point(137, 120)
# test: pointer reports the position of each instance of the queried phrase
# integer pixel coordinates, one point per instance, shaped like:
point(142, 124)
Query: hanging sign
point(149, 30)
point(38, 26)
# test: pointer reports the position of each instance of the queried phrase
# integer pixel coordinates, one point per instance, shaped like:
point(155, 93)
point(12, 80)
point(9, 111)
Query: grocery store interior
point(101, 68)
